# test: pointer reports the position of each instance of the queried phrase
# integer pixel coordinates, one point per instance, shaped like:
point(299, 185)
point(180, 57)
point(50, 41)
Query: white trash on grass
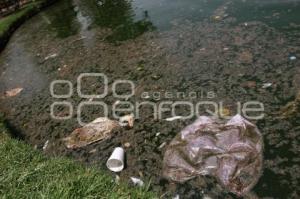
point(137, 181)
point(115, 162)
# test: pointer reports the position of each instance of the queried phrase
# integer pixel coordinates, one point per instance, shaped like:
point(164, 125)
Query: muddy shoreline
point(234, 61)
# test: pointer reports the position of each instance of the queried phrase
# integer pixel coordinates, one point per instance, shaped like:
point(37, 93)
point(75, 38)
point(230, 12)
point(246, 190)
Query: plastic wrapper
point(231, 152)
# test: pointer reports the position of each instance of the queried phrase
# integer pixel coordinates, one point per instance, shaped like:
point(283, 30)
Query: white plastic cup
point(115, 162)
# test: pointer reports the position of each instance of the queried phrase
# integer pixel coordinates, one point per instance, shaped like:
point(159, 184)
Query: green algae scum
point(227, 52)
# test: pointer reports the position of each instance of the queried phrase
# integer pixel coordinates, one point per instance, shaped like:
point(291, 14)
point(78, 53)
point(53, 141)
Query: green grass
point(8, 21)
point(26, 173)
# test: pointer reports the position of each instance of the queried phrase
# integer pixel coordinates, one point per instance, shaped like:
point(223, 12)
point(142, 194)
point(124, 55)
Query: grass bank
point(26, 173)
point(11, 22)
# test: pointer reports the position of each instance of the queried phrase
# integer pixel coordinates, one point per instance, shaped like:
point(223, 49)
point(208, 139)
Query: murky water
point(130, 19)
point(234, 48)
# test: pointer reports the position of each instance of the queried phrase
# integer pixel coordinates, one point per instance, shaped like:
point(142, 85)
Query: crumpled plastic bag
point(231, 152)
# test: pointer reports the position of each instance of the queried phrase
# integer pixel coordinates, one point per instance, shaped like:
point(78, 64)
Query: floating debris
point(137, 181)
point(291, 109)
point(292, 58)
point(127, 144)
point(99, 129)
point(170, 119)
point(267, 85)
point(217, 18)
point(156, 77)
point(224, 112)
point(162, 145)
point(93, 151)
point(127, 120)
point(13, 92)
point(249, 84)
point(233, 153)
point(117, 102)
point(50, 56)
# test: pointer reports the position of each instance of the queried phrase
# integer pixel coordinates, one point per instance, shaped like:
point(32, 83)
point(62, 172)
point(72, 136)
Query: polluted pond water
point(223, 51)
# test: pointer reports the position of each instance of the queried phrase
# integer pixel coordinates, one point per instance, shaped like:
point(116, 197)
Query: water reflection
point(85, 23)
point(117, 15)
point(107, 13)
point(61, 19)
point(70, 17)
point(163, 12)
point(131, 30)
point(129, 19)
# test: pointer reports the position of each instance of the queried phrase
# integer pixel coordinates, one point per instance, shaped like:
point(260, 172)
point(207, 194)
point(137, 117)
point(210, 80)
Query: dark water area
point(128, 19)
point(240, 50)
